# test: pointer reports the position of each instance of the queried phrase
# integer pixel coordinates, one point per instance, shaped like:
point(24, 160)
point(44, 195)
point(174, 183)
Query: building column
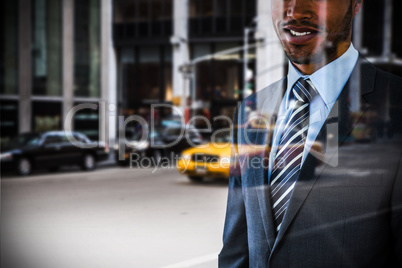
point(107, 119)
point(25, 68)
point(67, 56)
point(179, 41)
point(270, 56)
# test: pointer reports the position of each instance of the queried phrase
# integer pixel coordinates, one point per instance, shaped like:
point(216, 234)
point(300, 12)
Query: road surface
point(112, 217)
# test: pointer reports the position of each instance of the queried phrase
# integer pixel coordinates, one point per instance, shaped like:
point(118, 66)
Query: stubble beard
point(327, 50)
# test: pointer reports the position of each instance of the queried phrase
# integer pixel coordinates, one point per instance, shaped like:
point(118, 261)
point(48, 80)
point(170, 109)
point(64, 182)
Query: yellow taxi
point(212, 160)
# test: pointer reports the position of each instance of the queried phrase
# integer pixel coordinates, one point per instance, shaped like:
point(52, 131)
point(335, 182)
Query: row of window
point(134, 19)
point(145, 75)
point(154, 10)
point(153, 18)
point(46, 116)
point(229, 83)
point(46, 47)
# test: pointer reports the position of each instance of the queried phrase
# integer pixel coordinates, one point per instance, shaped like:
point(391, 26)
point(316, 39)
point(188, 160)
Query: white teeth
point(299, 34)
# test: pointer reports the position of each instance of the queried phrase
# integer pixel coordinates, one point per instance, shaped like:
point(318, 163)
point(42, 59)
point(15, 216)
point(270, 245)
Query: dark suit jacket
point(346, 212)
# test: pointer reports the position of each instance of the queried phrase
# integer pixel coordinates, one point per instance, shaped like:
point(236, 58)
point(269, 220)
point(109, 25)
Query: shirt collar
point(330, 79)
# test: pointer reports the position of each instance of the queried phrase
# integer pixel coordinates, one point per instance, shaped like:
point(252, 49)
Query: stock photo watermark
point(325, 152)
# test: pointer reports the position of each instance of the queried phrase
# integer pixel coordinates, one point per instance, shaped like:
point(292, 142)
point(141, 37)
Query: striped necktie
point(288, 158)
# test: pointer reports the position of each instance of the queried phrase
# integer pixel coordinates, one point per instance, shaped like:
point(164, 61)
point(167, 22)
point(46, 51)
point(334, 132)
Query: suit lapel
point(272, 98)
point(340, 113)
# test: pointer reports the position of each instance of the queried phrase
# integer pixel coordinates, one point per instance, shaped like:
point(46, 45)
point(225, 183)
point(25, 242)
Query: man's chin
point(299, 60)
point(306, 58)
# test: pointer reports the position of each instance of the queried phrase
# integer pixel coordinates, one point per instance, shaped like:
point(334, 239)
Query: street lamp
point(187, 69)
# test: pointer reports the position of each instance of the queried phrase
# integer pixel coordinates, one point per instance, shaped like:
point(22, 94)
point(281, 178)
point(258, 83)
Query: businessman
point(303, 192)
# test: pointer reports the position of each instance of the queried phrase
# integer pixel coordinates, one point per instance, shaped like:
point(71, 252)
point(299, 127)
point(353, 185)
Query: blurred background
point(123, 56)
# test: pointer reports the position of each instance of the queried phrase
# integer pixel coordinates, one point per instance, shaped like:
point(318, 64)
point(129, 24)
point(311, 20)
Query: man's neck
point(312, 67)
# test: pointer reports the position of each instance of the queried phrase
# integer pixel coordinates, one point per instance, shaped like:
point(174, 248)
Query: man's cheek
point(277, 10)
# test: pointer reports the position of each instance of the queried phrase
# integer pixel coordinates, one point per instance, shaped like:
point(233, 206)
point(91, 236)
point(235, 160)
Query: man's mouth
point(299, 35)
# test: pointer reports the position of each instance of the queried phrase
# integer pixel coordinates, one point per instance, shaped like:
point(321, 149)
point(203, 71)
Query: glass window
point(251, 9)
point(46, 116)
point(221, 16)
point(143, 10)
point(236, 8)
point(9, 47)
point(207, 8)
point(128, 76)
point(87, 48)
point(157, 9)
point(149, 73)
point(203, 72)
point(201, 8)
point(200, 51)
point(8, 120)
point(131, 11)
point(194, 9)
point(25, 139)
point(120, 8)
point(168, 74)
point(167, 9)
point(52, 139)
point(46, 47)
point(396, 29)
point(221, 8)
point(228, 66)
point(86, 121)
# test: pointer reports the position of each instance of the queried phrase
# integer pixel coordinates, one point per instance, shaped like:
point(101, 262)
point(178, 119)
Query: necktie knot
point(302, 91)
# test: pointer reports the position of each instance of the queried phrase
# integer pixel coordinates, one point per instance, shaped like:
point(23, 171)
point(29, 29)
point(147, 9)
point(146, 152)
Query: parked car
point(50, 150)
point(161, 142)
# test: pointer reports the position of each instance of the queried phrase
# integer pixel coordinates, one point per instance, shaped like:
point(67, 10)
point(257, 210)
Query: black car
point(50, 150)
point(179, 138)
point(161, 142)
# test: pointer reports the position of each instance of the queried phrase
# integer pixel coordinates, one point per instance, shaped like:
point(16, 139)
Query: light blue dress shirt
point(328, 82)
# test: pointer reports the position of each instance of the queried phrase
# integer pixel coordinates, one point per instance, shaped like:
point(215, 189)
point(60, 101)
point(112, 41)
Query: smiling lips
point(299, 35)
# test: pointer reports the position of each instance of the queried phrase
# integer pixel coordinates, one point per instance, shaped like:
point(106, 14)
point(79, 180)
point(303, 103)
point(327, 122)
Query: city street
point(129, 217)
point(112, 217)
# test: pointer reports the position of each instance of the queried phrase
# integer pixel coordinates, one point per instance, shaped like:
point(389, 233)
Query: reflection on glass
point(46, 116)
point(149, 73)
point(227, 82)
point(223, 17)
point(87, 48)
point(8, 119)
point(226, 85)
point(46, 47)
point(9, 48)
point(128, 76)
point(86, 121)
point(203, 72)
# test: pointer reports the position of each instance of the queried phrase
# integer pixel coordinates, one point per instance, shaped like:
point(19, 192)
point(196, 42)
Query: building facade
point(125, 55)
point(154, 38)
point(228, 47)
point(55, 54)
